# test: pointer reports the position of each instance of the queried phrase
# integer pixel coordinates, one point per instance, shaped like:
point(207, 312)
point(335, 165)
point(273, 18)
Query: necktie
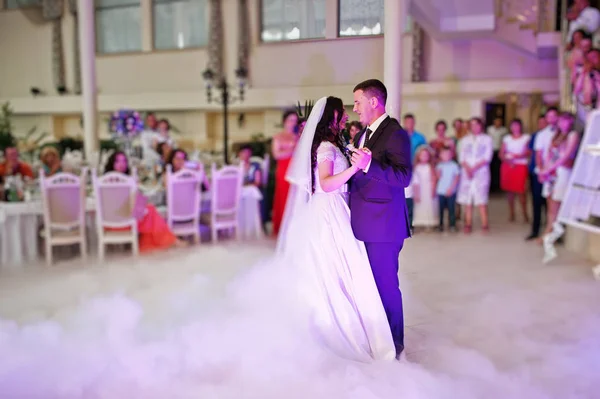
point(368, 134)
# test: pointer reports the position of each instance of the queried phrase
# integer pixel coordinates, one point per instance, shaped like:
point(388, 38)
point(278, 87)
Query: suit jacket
point(377, 202)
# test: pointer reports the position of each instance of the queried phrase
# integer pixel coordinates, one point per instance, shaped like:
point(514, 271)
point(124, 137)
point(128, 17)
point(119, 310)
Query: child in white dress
point(475, 155)
point(424, 189)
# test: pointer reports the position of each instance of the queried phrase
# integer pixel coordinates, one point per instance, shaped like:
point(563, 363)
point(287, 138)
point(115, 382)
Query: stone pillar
point(87, 46)
point(395, 19)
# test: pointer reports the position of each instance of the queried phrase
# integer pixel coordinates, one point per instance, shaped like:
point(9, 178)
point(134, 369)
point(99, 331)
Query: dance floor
point(485, 319)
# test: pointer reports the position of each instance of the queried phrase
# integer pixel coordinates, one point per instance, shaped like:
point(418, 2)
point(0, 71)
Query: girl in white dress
point(475, 155)
point(424, 194)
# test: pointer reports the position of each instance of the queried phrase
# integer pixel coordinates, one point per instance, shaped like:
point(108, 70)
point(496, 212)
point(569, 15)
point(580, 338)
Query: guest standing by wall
point(283, 147)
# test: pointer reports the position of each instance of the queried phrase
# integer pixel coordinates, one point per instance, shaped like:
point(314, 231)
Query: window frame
point(153, 47)
point(261, 42)
point(339, 24)
point(125, 52)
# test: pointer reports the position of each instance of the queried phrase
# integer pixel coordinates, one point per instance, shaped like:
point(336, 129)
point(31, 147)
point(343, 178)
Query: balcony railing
point(535, 15)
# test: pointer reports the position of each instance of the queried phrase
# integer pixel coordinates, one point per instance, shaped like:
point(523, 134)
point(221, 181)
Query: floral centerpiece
point(125, 125)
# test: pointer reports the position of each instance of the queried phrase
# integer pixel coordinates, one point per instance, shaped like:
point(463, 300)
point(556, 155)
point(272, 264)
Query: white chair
point(64, 204)
point(115, 195)
point(183, 202)
point(226, 191)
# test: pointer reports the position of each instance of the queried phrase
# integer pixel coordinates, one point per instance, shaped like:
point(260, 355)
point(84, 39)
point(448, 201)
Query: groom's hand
point(361, 158)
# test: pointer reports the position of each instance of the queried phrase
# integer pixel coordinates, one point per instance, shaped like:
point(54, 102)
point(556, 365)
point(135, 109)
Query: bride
point(346, 311)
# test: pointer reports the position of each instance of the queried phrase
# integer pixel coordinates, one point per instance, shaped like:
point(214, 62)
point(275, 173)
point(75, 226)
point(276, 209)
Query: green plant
point(6, 128)
point(6, 114)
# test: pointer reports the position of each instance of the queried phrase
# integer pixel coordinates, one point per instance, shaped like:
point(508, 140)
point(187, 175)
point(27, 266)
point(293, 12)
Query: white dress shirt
point(543, 140)
point(497, 134)
point(373, 127)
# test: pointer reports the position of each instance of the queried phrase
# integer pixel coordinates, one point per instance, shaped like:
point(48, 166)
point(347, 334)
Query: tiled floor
point(485, 319)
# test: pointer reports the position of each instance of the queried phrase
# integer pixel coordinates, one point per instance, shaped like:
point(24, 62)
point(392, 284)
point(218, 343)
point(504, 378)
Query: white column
point(87, 48)
point(147, 25)
point(395, 19)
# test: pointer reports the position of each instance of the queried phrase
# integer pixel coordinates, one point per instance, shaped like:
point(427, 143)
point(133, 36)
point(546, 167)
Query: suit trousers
point(538, 202)
point(383, 257)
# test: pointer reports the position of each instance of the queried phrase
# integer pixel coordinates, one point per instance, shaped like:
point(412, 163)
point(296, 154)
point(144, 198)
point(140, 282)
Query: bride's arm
point(329, 181)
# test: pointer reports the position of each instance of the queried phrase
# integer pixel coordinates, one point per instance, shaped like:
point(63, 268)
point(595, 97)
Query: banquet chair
point(115, 195)
point(226, 191)
point(64, 206)
point(183, 202)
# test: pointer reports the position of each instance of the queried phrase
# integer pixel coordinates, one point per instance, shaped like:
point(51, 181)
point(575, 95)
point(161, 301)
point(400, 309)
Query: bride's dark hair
point(327, 130)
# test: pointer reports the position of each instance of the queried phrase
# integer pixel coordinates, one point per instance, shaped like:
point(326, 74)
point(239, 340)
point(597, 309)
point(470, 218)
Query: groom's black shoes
point(399, 350)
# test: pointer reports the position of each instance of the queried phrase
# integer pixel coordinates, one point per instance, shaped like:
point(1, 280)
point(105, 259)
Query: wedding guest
point(50, 158)
point(283, 147)
point(164, 151)
point(151, 122)
point(576, 54)
point(355, 128)
point(252, 170)
point(535, 187)
point(253, 175)
point(558, 166)
point(163, 130)
point(424, 184)
point(178, 160)
point(497, 131)
point(475, 156)
point(441, 140)
point(587, 86)
point(514, 155)
point(579, 59)
point(154, 233)
point(416, 140)
point(582, 16)
point(448, 176)
point(301, 124)
point(148, 138)
point(460, 130)
point(13, 166)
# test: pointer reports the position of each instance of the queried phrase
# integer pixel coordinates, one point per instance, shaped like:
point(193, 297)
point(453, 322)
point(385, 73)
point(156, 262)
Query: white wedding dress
point(337, 281)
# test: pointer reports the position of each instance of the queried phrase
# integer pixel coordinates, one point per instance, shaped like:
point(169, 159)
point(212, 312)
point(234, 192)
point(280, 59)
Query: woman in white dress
point(316, 237)
point(475, 155)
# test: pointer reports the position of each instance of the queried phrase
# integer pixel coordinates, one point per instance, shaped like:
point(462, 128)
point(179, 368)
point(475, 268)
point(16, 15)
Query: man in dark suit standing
point(377, 203)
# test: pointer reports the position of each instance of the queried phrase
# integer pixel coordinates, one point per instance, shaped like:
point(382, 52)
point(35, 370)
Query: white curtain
point(180, 23)
point(118, 26)
point(293, 19)
point(361, 17)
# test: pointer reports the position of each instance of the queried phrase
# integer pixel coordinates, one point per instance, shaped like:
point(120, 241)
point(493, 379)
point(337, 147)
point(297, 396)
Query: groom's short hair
point(373, 88)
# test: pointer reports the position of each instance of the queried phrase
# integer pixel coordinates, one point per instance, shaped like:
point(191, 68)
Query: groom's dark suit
point(379, 214)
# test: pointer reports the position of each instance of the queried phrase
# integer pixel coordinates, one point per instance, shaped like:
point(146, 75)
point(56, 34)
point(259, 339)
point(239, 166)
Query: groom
point(378, 207)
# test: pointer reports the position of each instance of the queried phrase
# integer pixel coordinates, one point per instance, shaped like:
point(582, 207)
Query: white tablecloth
point(249, 215)
point(19, 222)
